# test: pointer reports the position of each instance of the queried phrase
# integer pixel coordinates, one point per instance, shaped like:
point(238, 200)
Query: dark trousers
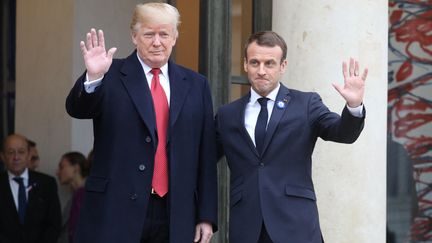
point(264, 237)
point(156, 225)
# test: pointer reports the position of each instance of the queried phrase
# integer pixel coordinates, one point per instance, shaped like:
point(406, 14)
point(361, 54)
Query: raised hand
point(353, 89)
point(97, 60)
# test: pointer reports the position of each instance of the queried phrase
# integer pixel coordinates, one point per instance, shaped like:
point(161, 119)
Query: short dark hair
point(269, 39)
point(31, 143)
point(77, 158)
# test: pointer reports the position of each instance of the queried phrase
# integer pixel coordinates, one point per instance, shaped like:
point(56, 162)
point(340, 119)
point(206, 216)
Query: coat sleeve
point(330, 126)
point(82, 105)
point(207, 178)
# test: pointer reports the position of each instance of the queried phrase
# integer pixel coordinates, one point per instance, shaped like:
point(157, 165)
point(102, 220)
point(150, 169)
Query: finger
point(351, 67)
point(111, 52)
point(207, 237)
point(356, 68)
point(101, 39)
point(83, 48)
point(88, 41)
point(345, 70)
point(197, 233)
point(94, 38)
point(364, 75)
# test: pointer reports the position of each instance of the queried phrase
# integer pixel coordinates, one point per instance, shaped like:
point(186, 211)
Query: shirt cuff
point(356, 111)
point(90, 86)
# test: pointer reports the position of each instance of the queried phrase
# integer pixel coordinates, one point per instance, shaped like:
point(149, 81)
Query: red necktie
point(160, 102)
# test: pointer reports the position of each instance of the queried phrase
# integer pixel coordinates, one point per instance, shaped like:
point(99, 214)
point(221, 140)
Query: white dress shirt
point(253, 108)
point(14, 186)
point(90, 86)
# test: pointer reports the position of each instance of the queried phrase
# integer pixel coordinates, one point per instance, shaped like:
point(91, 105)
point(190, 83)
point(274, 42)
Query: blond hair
point(146, 12)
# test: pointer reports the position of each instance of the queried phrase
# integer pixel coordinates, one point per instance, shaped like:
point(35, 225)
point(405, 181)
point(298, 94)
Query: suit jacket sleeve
point(53, 223)
point(207, 191)
point(331, 126)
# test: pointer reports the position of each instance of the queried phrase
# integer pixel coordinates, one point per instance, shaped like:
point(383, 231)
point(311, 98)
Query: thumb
point(111, 52)
point(197, 233)
point(338, 88)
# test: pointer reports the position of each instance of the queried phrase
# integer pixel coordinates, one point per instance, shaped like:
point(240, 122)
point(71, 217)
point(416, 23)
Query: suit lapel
point(277, 113)
point(8, 198)
point(241, 123)
point(136, 85)
point(179, 88)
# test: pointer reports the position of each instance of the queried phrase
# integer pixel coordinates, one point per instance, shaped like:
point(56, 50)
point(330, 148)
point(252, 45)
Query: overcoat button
point(134, 197)
point(141, 167)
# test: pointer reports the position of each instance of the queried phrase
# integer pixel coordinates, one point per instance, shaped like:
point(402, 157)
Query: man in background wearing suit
point(268, 137)
point(153, 178)
point(29, 203)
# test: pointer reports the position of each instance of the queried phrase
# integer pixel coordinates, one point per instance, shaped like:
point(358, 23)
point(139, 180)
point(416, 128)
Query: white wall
point(350, 180)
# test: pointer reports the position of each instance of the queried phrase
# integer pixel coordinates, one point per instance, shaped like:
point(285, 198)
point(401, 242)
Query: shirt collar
point(147, 68)
point(24, 175)
point(272, 95)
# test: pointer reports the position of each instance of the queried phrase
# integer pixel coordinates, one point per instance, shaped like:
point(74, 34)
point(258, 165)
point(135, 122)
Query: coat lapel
point(277, 113)
point(136, 85)
point(241, 123)
point(179, 88)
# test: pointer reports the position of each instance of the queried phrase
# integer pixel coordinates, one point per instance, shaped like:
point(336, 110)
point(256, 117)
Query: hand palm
point(353, 89)
point(96, 59)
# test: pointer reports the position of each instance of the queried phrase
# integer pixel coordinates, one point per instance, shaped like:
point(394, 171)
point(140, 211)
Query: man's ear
point(245, 64)
point(284, 66)
point(134, 36)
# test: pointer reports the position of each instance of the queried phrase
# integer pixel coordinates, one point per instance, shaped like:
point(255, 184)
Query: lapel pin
point(280, 104)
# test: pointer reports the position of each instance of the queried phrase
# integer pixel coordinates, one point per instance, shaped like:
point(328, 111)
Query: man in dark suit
point(29, 203)
point(153, 178)
point(268, 137)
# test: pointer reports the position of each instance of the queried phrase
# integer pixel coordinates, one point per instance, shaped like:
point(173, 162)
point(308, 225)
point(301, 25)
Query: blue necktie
point(22, 200)
point(261, 125)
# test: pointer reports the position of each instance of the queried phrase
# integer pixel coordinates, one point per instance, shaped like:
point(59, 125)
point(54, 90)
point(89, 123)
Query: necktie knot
point(19, 180)
point(155, 71)
point(263, 101)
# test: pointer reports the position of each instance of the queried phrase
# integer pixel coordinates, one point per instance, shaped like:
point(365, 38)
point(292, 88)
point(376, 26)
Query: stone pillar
point(48, 61)
point(350, 180)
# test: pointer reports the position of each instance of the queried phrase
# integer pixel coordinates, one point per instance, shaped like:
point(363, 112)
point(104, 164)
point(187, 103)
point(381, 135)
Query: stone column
point(350, 180)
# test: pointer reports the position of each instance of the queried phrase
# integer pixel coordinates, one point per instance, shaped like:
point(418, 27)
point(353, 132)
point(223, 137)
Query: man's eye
point(270, 64)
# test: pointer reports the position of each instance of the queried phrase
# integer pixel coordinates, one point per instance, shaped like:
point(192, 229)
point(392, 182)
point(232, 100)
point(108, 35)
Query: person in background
point(34, 155)
point(29, 203)
point(72, 171)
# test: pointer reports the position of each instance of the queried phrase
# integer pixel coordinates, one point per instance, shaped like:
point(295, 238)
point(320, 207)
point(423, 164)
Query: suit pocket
point(295, 191)
point(96, 184)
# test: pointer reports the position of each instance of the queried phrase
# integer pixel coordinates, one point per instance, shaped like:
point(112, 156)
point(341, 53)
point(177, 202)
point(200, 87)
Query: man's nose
point(156, 40)
point(261, 69)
